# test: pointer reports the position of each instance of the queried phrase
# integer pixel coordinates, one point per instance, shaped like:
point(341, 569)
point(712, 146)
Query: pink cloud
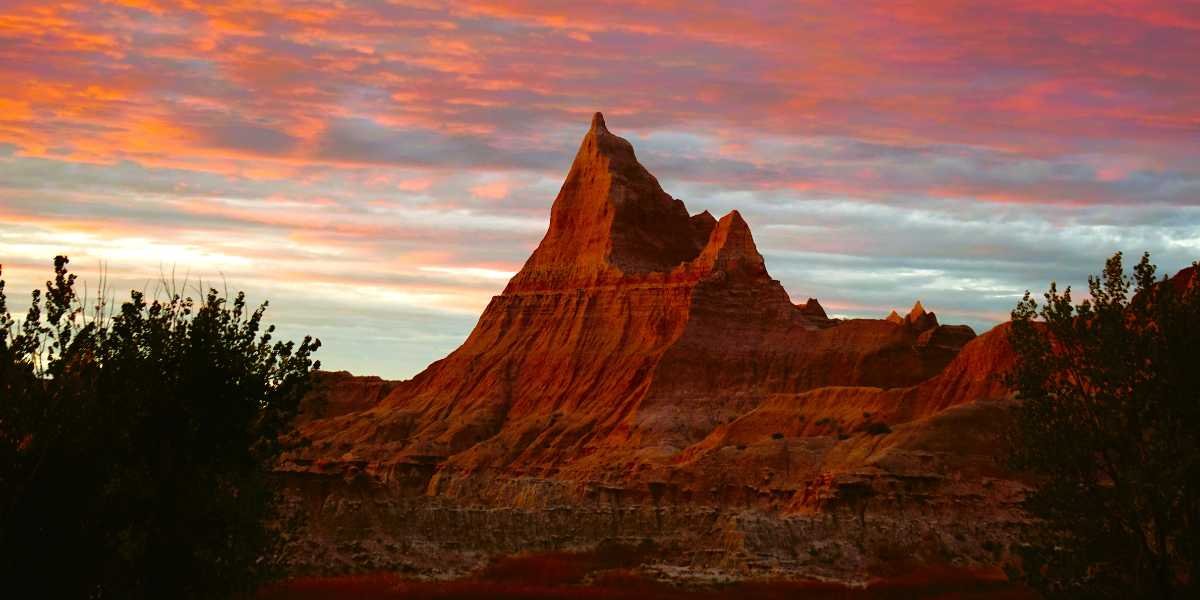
point(492, 190)
point(369, 131)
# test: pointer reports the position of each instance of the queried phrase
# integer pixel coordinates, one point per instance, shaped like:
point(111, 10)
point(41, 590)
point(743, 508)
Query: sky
point(379, 169)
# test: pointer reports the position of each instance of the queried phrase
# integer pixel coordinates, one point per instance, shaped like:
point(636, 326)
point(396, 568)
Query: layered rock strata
point(644, 377)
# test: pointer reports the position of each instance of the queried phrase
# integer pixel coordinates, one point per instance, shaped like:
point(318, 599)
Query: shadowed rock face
point(643, 361)
point(631, 332)
point(610, 221)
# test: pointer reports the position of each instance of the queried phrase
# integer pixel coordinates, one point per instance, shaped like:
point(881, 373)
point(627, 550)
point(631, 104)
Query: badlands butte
point(644, 384)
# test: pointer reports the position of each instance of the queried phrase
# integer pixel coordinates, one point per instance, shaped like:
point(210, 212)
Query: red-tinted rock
point(610, 221)
point(1184, 278)
point(813, 309)
point(622, 339)
point(645, 355)
point(338, 393)
point(920, 320)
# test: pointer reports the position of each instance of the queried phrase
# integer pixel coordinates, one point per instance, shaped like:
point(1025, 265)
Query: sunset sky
point(379, 169)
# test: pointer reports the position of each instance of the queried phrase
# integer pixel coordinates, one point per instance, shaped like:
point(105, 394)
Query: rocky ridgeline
point(643, 379)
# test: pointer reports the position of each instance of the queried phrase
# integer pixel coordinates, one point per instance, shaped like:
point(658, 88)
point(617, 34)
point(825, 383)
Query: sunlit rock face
point(641, 371)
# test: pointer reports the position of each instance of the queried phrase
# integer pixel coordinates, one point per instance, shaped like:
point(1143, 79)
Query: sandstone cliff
point(641, 371)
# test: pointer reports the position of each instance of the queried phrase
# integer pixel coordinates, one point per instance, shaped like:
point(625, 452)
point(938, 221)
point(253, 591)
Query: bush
point(133, 445)
point(1108, 422)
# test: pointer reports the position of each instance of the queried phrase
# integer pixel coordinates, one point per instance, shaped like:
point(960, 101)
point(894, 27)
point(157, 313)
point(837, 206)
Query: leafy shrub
point(1109, 422)
point(133, 445)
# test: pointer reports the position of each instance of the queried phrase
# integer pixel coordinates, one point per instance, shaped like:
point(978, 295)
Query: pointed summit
point(895, 317)
point(731, 247)
point(813, 309)
point(610, 219)
point(916, 312)
point(702, 224)
point(919, 319)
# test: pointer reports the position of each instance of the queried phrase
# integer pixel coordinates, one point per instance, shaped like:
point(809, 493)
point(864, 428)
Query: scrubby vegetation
point(1110, 424)
point(133, 442)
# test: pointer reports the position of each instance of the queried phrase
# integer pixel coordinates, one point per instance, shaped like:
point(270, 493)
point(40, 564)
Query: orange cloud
point(492, 190)
point(308, 137)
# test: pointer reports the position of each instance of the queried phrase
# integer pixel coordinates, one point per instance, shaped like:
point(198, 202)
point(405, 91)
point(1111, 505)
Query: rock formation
point(640, 372)
point(917, 318)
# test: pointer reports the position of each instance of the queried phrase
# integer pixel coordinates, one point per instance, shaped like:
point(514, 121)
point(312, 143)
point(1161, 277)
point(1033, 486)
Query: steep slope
point(630, 333)
point(610, 222)
point(816, 443)
point(644, 379)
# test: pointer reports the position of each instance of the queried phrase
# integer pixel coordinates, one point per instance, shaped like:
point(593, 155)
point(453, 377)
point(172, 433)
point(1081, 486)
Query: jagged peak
point(894, 317)
point(598, 123)
point(702, 224)
point(813, 308)
point(920, 319)
point(602, 149)
point(731, 247)
point(917, 311)
point(611, 217)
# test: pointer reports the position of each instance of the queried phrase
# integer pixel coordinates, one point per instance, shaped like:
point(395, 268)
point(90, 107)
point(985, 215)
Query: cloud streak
point(381, 165)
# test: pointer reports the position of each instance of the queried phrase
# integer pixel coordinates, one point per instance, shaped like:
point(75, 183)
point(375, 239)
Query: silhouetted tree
point(134, 445)
point(1110, 424)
